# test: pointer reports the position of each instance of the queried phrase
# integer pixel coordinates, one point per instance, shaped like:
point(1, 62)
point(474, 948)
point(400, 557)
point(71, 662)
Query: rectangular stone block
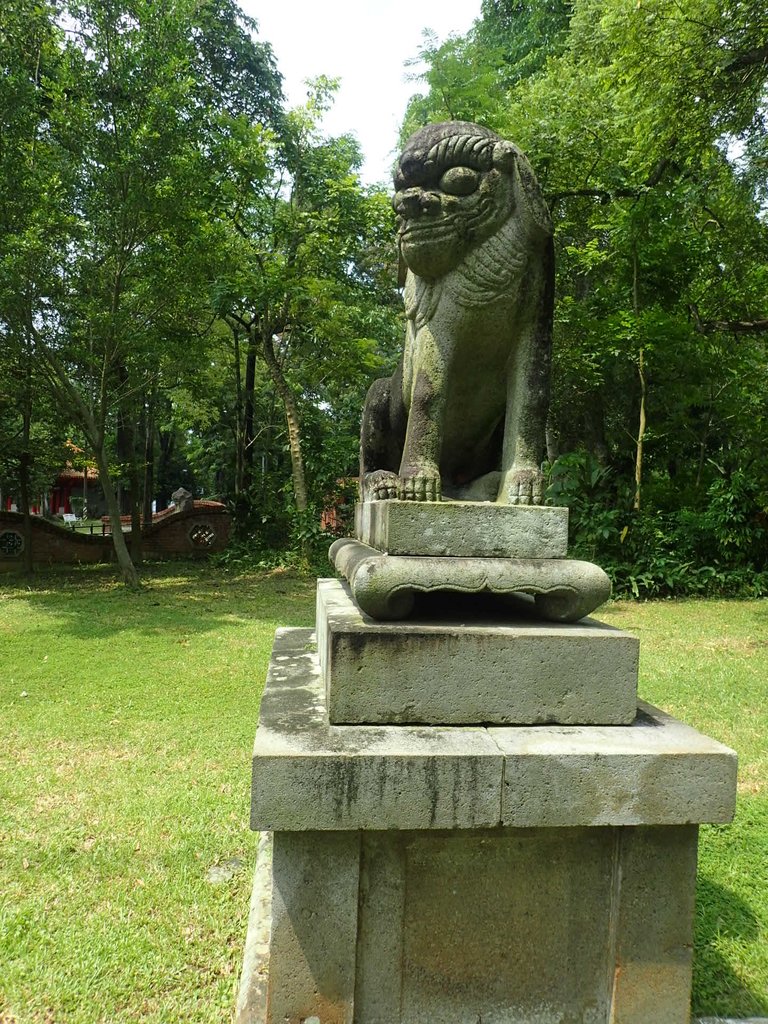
point(656, 771)
point(463, 529)
point(252, 993)
point(380, 927)
point(654, 925)
point(494, 927)
point(535, 925)
point(524, 926)
point(471, 672)
point(308, 774)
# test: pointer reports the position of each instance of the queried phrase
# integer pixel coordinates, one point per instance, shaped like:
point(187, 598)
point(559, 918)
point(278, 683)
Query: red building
point(69, 483)
point(82, 485)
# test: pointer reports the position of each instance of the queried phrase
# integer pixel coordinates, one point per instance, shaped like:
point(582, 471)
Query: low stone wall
point(200, 531)
point(50, 543)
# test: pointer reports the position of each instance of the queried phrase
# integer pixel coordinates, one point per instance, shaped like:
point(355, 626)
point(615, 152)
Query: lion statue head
point(456, 185)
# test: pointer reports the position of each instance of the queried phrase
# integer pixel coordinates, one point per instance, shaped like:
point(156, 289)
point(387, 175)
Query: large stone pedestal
point(533, 874)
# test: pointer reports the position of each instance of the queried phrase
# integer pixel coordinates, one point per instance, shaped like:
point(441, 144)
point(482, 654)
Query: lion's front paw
point(421, 483)
point(380, 485)
point(523, 487)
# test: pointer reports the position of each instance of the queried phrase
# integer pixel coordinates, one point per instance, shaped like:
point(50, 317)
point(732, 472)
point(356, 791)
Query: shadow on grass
point(717, 990)
point(90, 601)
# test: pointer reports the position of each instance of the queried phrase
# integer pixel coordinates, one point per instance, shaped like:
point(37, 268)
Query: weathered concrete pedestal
point(471, 872)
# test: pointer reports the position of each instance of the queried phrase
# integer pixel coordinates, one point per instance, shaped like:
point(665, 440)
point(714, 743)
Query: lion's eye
point(460, 181)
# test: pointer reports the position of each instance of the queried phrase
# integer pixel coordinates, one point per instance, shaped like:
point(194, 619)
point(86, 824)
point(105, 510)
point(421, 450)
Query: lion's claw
point(419, 485)
point(380, 485)
point(524, 487)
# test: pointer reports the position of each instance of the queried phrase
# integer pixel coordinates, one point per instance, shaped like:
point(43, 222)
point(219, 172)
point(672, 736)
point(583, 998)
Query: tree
point(32, 181)
point(307, 290)
point(33, 435)
point(133, 109)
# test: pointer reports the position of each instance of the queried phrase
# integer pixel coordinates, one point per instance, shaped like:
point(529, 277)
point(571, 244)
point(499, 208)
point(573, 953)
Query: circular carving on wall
point(11, 544)
point(202, 535)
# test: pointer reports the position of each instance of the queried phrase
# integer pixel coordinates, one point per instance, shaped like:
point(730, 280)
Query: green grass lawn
point(128, 721)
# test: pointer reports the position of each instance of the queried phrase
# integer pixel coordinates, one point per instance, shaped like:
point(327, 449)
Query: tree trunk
point(137, 553)
point(127, 568)
point(124, 458)
point(640, 433)
point(134, 489)
point(127, 455)
point(294, 423)
point(266, 447)
point(166, 487)
point(239, 428)
point(643, 392)
point(149, 462)
point(250, 382)
point(24, 463)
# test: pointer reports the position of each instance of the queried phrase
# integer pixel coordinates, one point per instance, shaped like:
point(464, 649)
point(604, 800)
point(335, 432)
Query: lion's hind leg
point(381, 439)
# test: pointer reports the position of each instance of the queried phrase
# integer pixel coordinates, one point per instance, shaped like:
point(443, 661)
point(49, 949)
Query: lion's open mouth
point(432, 229)
point(420, 235)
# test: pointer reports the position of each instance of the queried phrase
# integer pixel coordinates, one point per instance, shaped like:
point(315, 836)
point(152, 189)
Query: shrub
point(719, 550)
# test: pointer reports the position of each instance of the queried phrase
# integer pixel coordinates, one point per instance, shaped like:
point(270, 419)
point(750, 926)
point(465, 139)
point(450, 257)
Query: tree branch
point(606, 195)
point(727, 326)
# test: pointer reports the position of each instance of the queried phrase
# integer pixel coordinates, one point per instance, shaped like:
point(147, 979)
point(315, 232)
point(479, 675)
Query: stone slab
point(657, 771)
point(313, 932)
point(524, 926)
point(471, 672)
point(478, 529)
point(309, 774)
point(493, 928)
point(299, 961)
point(385, 586)
point(653, 944)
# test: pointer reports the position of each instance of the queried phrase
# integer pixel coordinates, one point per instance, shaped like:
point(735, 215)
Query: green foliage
point(293, 541)
point(308, 294)
point(109, 236)
point(719, 548)
point(584, 486)
point(736, 517)
point(526, 31)
point(198, 275)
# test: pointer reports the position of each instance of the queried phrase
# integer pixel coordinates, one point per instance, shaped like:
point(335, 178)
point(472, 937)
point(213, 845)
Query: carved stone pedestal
point(530, 874)
point(403, 549)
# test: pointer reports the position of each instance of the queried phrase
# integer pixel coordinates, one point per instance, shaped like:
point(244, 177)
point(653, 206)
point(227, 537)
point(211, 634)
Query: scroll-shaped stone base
point(385, 586)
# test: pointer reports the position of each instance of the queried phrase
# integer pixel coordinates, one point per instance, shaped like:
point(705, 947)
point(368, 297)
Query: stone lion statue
point(464, 414)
